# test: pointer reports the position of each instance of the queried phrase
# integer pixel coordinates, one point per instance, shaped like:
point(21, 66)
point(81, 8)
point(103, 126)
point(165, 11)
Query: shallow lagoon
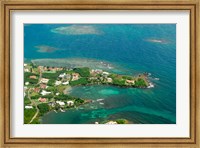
point(110, 103)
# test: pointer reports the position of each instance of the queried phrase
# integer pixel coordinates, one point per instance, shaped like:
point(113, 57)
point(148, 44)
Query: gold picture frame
point(7, 6)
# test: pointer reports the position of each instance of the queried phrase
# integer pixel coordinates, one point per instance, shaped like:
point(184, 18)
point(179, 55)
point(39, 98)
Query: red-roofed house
point(43, 86)
point(42, 99)
point(37, 89)
point(32, 77)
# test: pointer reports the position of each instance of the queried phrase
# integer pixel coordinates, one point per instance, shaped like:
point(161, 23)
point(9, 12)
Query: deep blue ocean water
point(131, 46)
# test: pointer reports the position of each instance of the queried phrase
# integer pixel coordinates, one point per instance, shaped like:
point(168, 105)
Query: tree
point(51, 82)
point(121, 121)
point(140, 83)
point(43, 108)
point(84, 72)
point(81, 81)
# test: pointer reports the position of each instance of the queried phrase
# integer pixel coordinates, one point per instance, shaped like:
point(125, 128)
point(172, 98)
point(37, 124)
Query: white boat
point(100, 100)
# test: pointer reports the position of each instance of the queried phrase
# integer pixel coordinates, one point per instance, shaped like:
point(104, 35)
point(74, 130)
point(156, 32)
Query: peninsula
point(46, 88)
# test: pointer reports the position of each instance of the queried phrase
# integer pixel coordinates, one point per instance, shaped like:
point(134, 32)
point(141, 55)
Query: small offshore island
point(46, 88)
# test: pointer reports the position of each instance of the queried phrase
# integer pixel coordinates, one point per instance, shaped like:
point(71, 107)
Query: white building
point(25, 64)
point(26, 83)
point(44, 80)
point(105, 73)
point(57, 94)
point(70, 103)
point(28, 107)
point(44, 92)
point(60, 103)
point(130, 82)
point(62, 75)
point(26, 70)
point(58, 82)
point(109, 80)
point(65, 83)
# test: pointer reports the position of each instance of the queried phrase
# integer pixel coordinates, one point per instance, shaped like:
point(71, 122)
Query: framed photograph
point(99, 73)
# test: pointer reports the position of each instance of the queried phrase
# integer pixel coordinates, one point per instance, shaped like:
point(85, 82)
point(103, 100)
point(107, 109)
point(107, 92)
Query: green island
point(46, 88)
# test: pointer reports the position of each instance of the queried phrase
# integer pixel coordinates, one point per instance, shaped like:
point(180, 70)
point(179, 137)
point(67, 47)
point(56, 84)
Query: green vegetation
point(84, 72)
point(81, 81)
point(121, 121)
point(44, 108)
point(79, 101)
point(26, 101)
point(61, 88)
point(49, 96)
point(28, 115)
point(53, 76)
point(140, 83)
point(36, 121)
point(51, 82)
point(127, 77)
point(51, 89)
point(119, 82)
point(28, 74)
point(27, 79)
point(64, 97)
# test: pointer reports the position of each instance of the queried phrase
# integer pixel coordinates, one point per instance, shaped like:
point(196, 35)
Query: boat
point(100, 100)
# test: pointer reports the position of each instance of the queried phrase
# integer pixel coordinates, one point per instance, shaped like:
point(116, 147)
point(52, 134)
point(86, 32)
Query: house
point(57, 94)
point(65, 83)
point(109, 80)
point(58, 82)
point(62, 75)
point(42, 99)
point(93, 78)
point(43, 86)
point(105, 73)
point(60, 103)
point(26, 83)
point(130, 81)
point(25, 64)
point(37, 89)
point(45, 92)
point(75, 76)
point(33, 77)
point(44, 80)
point(96, 71)
point(28, 107)
point(70, 103)
point(26, 70)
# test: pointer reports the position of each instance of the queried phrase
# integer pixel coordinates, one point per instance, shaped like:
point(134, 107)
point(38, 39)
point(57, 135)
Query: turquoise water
point(131, 50)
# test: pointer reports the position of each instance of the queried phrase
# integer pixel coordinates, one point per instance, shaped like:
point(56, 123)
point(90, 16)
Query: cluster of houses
point(64, 80)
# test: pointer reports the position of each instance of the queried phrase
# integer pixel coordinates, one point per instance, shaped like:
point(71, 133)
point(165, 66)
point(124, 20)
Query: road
point(33, 104)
